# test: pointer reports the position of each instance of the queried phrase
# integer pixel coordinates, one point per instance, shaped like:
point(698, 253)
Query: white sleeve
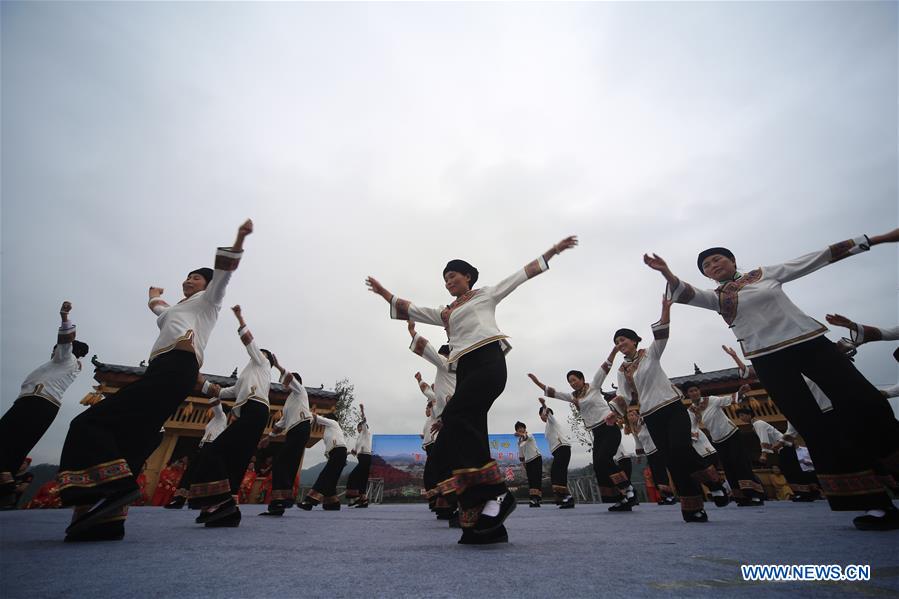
point(420, 346)
point(555, 394)
point(624, 389)
point(502, 289)
point(401, 309)
point(600, 377)
point(64, 338)
point(660, 340)
point(864, 333)
point(684, 293)
point(892, 391)
point(257, 356)
point(228, 392)
point(226, 261)
point(809, 263)
point(157, 305)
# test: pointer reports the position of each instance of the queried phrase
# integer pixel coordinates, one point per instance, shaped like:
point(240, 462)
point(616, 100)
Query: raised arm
point(600, 377)
point(679, 291)
point(226, 262)
point(744, 371)
point(661, 330)
point(155, 302)
point(531, 270)
point(246, 338)
point(65, 335)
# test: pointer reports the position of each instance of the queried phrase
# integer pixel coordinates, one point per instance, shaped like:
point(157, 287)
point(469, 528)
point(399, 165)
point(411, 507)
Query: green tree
point(348, 416)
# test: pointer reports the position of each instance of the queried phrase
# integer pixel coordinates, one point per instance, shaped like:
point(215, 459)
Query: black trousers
point(800, 481)
point(659, 468)
point(558, 471)
point(463, 443)
point(357, 482)
point(534, 470)
point(738, 468)
point(429, 478)
point(287, 462)
point(611, 480)
point(21, 428)
point(325, 488)
point(852, 444)
point(221, 465)
point(670, 430)
point(627, 466)
point(105, 447)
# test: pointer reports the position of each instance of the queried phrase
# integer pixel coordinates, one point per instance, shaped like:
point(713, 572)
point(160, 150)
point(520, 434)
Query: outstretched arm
point(863, 333)
point(600, 377)
point(401, 309)
point(531, 270)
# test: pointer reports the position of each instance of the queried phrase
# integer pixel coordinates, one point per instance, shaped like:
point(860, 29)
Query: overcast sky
point(386, 139)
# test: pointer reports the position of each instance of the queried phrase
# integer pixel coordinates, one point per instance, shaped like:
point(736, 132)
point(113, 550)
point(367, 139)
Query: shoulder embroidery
point(727, 294)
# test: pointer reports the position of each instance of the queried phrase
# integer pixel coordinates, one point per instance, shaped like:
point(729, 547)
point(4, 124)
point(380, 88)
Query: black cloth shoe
point(534, 503)
point(622, 506)
point(567, 504)
point(699, 516)
point(306, 505)
point(487, 524)
point(232, 520)
point(470, 537)
point(363, 503)
point(888, 522)
point(666, 501)
point(222, 511)
point(721, 500)
point(107, 531)
point(176, 504)
point(800, 498)
point(273, 510)
point(106, 507)
point(331, 507)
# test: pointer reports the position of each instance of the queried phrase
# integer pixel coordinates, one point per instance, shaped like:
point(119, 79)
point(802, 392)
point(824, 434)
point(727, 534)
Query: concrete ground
point(401, 551)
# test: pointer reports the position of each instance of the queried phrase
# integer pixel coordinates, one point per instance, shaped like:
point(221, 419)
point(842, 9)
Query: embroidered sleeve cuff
point(850, 247)
point(536, 267)
point(418, 345)
point(66, 333)
point(861, 333)
point(399, 308)
point(227, 259)
point(660, 331)
point(245, 335)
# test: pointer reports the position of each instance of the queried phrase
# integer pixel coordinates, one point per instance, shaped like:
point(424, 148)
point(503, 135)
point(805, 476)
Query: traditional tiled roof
point(728, 375)
point(224, 381)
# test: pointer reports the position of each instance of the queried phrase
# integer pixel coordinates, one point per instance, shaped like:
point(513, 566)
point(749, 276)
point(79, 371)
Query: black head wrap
point(206, 273)
point(463, 268)
point(518, 424)
point(711, 252)
point(630, 334)
point(444, 350)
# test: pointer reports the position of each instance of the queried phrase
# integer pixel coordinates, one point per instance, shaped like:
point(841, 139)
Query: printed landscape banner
point(400, 461)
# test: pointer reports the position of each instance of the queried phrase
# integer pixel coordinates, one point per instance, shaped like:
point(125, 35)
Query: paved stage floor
point(401, 551)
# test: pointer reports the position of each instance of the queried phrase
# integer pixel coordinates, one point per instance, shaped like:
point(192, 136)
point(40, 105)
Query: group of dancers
point(855, 445)
point(854, 442)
